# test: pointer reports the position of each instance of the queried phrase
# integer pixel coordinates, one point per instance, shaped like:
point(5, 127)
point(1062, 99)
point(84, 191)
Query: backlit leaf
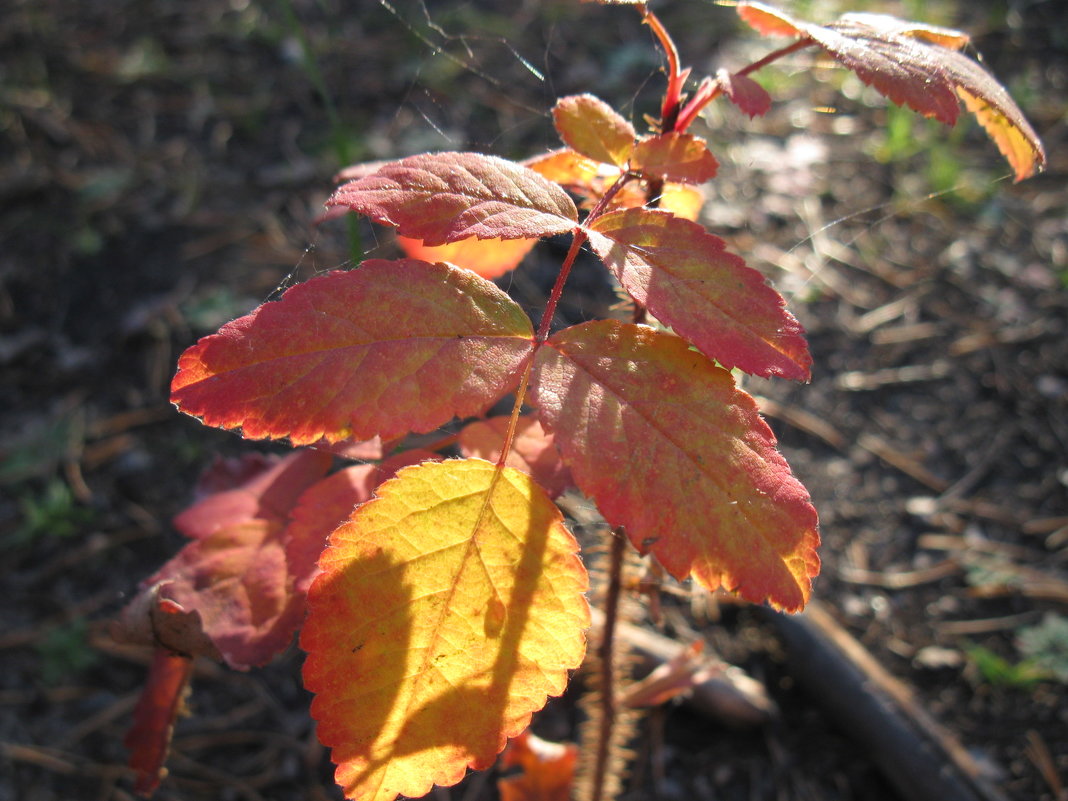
point(687, 279)
point(668, 447)
point(489, 258)
point(448, 609)
point(675, 157)
point(918, 66)
point(594, 129)
point(548, 769)
point(748, 95)
point(389, 348)
point(681, 200)
point(532, 451)
point(445, 197)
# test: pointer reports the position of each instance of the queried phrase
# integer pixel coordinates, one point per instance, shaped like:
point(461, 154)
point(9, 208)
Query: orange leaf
point(445, 197)
point(448, 609)
point(489, 258)
point(548, 769)
point(667, 446)
point(692, 283)
point(387, 349)
point(678, 157)
point(916, 65)
point(532, 451)
point(591, 127)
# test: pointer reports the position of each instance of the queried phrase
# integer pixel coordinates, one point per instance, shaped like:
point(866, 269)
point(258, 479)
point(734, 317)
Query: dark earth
point(161, 164)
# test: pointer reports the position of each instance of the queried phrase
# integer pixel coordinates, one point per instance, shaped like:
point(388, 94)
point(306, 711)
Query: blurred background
point(161, 165)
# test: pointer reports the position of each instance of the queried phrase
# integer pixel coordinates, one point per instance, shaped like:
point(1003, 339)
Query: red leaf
point(667, 446)
point(690, 282)
point(918, 66)
point(548, 769)
point(237, 580)
point(327, 504)
point(268, 488)
point(149, 738)
point(591, 127)
point(533, 450)
point(445, 197)
point(386, 349)
point(748, 95)
point(675, 157)
point(321, 509)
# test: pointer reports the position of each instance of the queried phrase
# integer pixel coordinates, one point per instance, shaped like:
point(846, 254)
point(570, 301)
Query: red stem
point(700, 100)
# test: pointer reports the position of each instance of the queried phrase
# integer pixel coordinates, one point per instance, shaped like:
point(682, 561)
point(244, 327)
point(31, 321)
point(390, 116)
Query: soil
point(161, 165)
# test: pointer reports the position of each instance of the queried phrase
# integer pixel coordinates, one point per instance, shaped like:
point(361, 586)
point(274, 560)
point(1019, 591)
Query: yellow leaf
point(449, 607)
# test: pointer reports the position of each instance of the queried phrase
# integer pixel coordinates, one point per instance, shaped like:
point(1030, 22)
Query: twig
point(918, 756)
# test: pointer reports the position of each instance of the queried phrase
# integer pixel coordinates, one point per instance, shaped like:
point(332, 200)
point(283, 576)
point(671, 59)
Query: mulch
point(160, 166)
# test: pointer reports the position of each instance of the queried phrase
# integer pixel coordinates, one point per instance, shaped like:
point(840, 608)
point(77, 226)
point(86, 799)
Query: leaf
point(548, 769)
point(748, 95)
point(667, 446)
point(328, 503)
point(681, 200)
point(149, 738)
point(265, 488)
point(687, 279)
point(237, 580)
point(489, 258)
point(445, 197)
point(592, 128)
point(918, 66)
point(390, 348)
point(448, 608)
point(533, 450)
point(675, 157)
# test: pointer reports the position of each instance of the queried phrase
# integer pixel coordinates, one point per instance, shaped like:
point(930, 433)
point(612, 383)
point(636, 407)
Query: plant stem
point(669, 110)
point(605, 653)
point(702, 99)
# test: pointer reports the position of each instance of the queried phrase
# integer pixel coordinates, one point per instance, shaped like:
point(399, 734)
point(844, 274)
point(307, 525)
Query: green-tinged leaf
point(916, 65)
point(390, 348)
point(594, 129)
point(445, 197)
point(678, 157)
point(668, 447)
point(687, 279)
point(448, 608)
